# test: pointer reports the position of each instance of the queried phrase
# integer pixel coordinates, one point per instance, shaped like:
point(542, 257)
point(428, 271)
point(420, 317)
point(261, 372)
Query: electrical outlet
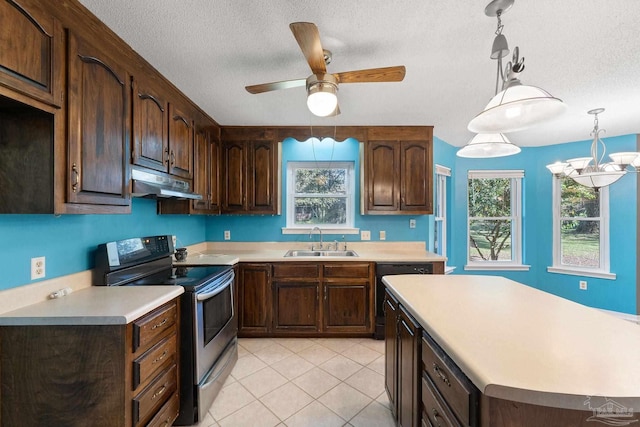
point(174, 240)
point(383, 235)
point(37, 268)
point(365, 235)
point(227, 234)
point(412, 223)
point(583, 285)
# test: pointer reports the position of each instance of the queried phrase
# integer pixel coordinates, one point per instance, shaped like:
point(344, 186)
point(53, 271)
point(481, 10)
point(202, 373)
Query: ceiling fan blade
point(308, 37)
point(387, 74)
point(267, 87)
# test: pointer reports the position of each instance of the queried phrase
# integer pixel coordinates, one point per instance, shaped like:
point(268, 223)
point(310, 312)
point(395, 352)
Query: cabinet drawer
point(351, 270)
point(157, 357)
point(167, 415)
point(149, 327)
point(154, 395)
point(447, 378)
point(292, 270)
point(434, 409)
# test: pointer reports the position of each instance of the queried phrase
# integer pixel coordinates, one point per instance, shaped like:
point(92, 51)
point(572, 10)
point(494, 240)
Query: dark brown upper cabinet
point(398, 165)
point(181, 131)
point(150, 126)
point(32, 44)
point(163, 129)
point(206, 175)
point(99, 126)
point(250, 164)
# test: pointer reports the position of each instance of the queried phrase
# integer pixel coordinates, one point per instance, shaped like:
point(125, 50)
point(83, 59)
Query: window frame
point(517, 205)
point(602, 272)
point(440, 211)
point(348, 228)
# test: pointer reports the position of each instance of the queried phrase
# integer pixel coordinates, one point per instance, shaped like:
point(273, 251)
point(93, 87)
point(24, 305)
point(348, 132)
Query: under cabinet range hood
point(148, 184)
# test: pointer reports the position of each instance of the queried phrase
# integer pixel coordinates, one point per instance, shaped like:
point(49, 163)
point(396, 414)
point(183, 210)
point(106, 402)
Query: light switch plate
point(383, 235)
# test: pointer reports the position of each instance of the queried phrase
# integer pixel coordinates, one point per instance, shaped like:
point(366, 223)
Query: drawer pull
point(438, 370)
point(159, 324)
point(159, 392)
point(158, 359)
point(437, 416)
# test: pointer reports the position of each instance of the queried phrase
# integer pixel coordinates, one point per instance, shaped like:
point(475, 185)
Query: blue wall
point(617, 295)
point(251, 228)
point(68, 241)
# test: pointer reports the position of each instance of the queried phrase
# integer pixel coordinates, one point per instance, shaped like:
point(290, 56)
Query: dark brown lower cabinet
point(306, 299)
point(254, 299)
point(402, 362)
point(99, 375)
point(296, 306)
point(391, 350)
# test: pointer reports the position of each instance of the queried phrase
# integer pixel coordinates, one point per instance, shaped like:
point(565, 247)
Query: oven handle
point(218, 288)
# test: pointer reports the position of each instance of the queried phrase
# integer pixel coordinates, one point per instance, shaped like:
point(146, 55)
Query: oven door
point(215, 323)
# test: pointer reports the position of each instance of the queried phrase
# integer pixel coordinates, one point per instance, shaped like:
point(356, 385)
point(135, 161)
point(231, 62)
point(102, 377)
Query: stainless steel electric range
point(209, 327)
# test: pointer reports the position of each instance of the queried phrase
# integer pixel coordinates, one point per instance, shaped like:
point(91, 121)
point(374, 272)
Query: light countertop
point(94, 305)
point(518, 343)
point(232, 252)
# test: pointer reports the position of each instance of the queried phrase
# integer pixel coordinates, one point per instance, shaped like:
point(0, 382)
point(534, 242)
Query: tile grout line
point(297, 351)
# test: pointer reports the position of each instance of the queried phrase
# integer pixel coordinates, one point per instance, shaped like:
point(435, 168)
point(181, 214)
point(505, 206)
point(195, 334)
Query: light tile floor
point(304, 382)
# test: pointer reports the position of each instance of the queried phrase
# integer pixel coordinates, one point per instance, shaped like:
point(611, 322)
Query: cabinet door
point(296, 306)
point(150, 127)
point(32, 46)
point(180, 141)
point(415, 177)
point(234, 163)
point(346, 306)
point(99, 127)
point(382, 159)
point(390, 309)
point(262, 176)
point(202, 147)
point(254, 299)
point(408, 370)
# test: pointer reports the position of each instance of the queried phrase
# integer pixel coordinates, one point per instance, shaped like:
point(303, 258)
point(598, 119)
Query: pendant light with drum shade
point(516, 107)
point(591, 171)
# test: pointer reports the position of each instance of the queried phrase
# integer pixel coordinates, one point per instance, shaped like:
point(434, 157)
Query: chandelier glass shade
point(486, 145)
point(592, 171)
point(517, 107)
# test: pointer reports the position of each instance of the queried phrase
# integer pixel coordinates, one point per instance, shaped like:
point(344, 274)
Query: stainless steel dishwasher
point(392, 269)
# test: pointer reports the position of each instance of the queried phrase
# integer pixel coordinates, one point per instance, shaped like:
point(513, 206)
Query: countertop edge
point(505, 392)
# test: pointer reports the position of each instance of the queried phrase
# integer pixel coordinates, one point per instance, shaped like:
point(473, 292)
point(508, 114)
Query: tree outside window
point(320, 193)
point(494, 220)
point(579, 225)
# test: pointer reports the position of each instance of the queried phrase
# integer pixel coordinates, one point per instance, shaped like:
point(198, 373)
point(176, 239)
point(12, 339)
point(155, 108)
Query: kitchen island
point(492, 351)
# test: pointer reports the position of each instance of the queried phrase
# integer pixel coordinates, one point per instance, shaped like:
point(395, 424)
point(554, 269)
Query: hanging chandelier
point(517, 106)
point(591, 171)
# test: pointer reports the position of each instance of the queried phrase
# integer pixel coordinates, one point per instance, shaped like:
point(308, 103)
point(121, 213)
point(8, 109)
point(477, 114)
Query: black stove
point(148, 261)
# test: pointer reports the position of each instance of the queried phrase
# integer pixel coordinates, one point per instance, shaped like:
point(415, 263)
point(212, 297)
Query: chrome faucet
point(311, 232)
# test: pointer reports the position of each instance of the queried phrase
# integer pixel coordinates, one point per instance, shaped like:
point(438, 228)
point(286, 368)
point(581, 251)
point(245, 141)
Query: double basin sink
point(320, 253)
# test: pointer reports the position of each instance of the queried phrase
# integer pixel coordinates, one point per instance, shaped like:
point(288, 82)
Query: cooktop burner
point(188, 277)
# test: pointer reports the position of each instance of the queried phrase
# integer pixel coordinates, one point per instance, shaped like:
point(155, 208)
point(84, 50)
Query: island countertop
point(94, 305)
point(522, 344)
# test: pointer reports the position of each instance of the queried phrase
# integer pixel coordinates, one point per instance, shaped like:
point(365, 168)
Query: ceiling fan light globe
point(322, 99)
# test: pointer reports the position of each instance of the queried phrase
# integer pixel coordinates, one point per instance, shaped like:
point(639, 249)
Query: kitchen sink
point(304, 252)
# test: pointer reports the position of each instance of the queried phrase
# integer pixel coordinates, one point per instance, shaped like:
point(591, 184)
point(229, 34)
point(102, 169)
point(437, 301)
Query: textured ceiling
point(586, 52)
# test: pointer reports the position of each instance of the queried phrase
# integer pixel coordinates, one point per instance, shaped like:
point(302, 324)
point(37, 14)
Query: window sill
point(505, 267)
point(325, 230)
point(582, 272)
point(448, 269)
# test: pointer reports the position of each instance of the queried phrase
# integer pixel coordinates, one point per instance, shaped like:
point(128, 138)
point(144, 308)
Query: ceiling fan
point(322, 87)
